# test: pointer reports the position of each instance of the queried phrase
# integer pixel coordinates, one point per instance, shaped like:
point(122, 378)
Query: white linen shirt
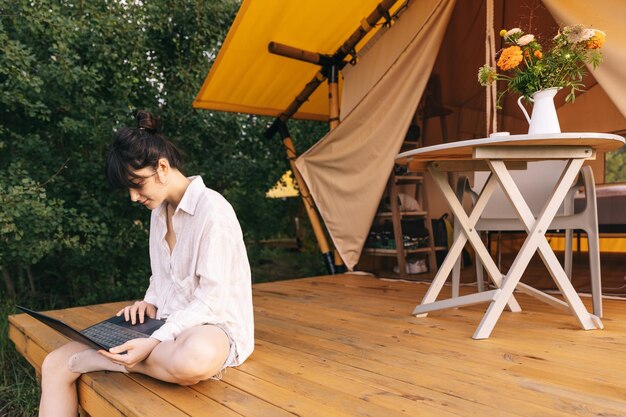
point(206, 278)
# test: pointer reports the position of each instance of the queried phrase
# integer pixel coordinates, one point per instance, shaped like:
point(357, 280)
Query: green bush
point(71, 73)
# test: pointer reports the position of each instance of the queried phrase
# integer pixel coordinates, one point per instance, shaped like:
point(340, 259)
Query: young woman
point(200, 281)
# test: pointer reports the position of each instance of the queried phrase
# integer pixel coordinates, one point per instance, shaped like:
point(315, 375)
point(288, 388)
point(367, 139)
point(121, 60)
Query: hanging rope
point(490, 59)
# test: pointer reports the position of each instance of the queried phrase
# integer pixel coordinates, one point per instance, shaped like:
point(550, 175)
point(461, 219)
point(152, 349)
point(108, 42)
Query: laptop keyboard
point(109, 334)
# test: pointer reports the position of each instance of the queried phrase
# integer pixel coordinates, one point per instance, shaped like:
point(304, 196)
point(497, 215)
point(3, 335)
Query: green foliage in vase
point(527, 67)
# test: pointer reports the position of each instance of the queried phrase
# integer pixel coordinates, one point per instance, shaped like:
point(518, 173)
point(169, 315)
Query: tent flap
point(347, 170)
point(610, 19)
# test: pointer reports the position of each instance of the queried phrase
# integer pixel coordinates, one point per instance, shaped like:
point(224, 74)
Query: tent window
point(615, 166)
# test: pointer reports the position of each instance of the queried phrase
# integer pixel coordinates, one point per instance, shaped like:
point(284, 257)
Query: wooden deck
point(348, 346)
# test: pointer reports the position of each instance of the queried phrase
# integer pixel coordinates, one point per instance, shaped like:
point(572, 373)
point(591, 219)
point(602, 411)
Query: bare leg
point(197, 354)
point(58, 383)
point(91, 361)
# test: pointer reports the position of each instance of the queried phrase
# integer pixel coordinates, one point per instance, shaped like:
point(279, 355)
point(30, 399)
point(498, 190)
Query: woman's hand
point(141, 309)
point(136, 351)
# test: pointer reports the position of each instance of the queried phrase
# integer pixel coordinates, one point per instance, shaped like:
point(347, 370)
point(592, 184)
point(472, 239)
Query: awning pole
point(309, 205)
point(347, 48)
point(299, 54)
point(333, 97)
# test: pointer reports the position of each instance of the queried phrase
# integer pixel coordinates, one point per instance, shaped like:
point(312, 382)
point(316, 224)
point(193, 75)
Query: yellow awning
point(246, 78)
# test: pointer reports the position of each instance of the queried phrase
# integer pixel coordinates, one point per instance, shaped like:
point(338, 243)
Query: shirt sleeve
point(217, 260)
point(151, 293)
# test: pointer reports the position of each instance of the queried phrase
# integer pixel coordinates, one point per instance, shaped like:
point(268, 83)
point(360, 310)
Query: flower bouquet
point(527, 68)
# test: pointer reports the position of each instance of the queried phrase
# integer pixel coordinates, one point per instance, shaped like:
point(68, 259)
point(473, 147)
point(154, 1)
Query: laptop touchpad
point(147, 327)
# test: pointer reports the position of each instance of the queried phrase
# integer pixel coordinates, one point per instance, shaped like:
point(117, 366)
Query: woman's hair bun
point(145, 120)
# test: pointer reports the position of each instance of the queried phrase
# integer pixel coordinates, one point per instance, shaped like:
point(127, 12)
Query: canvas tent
point(347, 170)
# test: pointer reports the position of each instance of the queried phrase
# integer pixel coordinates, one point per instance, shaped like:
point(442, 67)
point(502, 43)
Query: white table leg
point(467, 224)
point(545, 251)
point(466, 300)
point(442, 274)
point(536, 229)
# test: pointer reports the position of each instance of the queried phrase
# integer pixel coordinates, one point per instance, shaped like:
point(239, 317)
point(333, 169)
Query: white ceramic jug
point(544, 118)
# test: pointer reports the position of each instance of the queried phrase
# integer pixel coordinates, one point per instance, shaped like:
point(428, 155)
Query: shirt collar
point(192, 195)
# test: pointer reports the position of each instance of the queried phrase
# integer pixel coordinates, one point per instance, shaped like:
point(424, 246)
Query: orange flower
point(597, 40)
point(535, 52)
point(510, 58)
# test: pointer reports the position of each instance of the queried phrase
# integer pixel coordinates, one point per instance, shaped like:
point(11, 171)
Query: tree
point(70, 73)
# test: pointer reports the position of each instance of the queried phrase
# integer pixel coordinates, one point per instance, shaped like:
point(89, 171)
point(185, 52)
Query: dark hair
point(136, 148)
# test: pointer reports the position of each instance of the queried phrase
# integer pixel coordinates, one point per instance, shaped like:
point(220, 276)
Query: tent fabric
point(607, 16)
point(359, 79)
point(462, 53)
point(246, 78)
point(343, 170)
point(347, 170)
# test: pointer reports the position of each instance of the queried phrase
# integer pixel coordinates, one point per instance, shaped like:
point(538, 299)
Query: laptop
point(104, 335)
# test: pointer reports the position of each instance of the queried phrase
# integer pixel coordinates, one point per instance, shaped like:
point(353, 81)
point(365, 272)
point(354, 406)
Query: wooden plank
point(339, 291)
point(402, 213)
point(126, 395)
point(524, 322)
point(183, 398)
point(439, 374)
point(320, 318)
point(356, 382)
point(91, 402)
point(281, 395)
point(247, 404)
point(186, 399)
point(394, 387)
point(25, 332)
point(393, 252)
point(118, 392)
point(331, 395)
point(352, 316)
point(430, 381)
point(348, 346)
point(423, 396)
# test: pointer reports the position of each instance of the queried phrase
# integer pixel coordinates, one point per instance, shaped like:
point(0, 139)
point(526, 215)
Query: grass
point(19, 389)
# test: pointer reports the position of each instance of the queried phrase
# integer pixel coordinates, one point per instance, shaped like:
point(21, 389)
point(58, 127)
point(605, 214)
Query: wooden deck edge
point(99, 393)
point(89, 400)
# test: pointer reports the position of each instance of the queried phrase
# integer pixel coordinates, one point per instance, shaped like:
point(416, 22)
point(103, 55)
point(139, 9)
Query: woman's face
point(152, 190)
